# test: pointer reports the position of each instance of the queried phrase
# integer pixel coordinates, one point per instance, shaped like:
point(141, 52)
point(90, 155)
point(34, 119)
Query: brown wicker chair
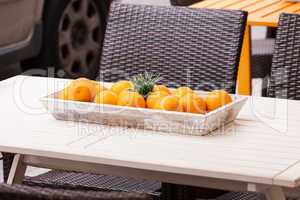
point(21, 192)
point(194, 47)
point(199, 48)
point(86, 181)
point(242, 196)
point(285, 72)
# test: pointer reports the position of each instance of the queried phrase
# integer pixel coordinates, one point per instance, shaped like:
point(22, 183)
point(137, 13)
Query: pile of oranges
point(123, 93)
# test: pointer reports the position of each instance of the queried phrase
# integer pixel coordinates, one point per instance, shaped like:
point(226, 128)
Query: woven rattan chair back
point(183, 2)
point(285, 72)
point(199, 48)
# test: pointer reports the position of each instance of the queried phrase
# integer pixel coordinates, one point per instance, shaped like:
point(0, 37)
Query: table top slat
point(260, 6)
point(267, 11)
point(224, 4)
point(260, 12)
point(292, 8)
point(242, 5)
point(206, 4)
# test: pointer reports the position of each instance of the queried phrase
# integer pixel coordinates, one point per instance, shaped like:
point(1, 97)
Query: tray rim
point(236, 99)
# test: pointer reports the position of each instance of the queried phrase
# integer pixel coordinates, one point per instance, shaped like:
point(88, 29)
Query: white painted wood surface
point(261, 146)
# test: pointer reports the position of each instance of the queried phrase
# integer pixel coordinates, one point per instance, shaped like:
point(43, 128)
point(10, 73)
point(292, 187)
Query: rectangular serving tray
point(143, 118)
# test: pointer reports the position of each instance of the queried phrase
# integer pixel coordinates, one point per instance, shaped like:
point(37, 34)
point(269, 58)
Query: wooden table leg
point(244, 72)
point(275, 193)
point(18, 169)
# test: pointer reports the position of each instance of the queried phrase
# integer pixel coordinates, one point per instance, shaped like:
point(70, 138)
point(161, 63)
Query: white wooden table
point(260, 151)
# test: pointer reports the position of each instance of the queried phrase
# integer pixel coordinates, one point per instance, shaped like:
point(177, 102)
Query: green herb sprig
point(144, 83)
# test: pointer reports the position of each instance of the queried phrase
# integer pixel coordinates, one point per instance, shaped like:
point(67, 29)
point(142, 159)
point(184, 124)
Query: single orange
point(193, 103)
point(84, 82)
point(217, 99)
point(161, 88)
point(80, 92)
point(182, 91)
point(131, 99)
point(120, 86)
point(106, 97)
point(170, 103)
point(155, 97)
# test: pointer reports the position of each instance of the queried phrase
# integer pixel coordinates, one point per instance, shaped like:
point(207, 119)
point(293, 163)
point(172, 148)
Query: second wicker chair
point(285, 71)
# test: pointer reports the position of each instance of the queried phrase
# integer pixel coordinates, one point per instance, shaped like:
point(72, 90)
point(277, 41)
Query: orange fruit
point(155, 97)
point(80, 92)
point(84, 82)
point(106, 97)
point(193, 103)
point(217, 99)
point(120, 86)
point(64, 94)
point(182, 91)
point(132, 99)
point(161, 88)
point(170, 103)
